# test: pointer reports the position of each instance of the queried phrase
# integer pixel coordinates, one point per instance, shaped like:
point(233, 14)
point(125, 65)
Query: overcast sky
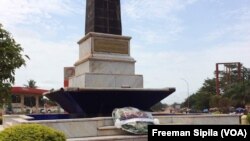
point(173, 41)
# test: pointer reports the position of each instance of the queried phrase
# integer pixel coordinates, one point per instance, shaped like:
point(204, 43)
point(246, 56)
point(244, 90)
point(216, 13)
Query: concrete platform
point(102, 128)
point(113, 138)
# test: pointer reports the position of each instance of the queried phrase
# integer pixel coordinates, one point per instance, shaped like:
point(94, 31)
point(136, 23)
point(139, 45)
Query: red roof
point(25, 90)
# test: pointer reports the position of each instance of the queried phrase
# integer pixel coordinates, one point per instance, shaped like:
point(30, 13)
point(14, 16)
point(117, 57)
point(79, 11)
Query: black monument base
point(94, 102)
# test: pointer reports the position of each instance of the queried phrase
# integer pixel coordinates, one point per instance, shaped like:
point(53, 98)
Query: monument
point(104, 60)
point(104, 76)
point(102, 79)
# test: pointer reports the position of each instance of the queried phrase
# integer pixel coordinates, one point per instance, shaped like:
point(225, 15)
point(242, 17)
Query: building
point(27, 100)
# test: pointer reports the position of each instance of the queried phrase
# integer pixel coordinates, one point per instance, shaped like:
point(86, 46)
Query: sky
point(176, 43)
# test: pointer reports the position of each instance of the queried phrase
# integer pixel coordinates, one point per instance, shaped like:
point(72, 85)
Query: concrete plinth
point(105, 62)
point(100, 80)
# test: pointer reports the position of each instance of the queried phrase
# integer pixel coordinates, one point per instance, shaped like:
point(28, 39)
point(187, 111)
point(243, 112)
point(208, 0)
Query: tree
point(209, 86)
point(236, 92)
point(31, 84)
point(214, 101)
point(239, 93)
point(224, 104)
point(10, 59)
point(201, 99)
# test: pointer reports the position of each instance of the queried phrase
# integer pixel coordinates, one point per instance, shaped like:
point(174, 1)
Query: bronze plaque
point(111, 46)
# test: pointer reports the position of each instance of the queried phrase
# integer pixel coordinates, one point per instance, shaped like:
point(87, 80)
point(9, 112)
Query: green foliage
point(216, 112)
point(31, 132)
point(31, 84)
point(220, 102)
point(201, 99)
point(239, 93)
point(5, 89)
point(236, 94)
point(224, 104)
point(209, 86)
point(248, 118)
point(214, 101)
point(10, 59)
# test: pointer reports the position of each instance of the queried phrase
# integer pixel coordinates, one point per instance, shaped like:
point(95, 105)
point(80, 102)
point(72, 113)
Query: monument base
point(97, 80)
point(105, 62)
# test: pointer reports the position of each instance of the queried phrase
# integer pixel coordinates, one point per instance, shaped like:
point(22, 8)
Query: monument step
point(113, 138)
point(110, 130)
point(107, 128)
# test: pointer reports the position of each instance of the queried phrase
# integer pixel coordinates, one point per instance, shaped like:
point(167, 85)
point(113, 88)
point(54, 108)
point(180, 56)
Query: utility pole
point(187, 91)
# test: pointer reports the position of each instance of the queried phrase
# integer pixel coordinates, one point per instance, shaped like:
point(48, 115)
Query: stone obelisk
point(104, 54)
point(103, 16)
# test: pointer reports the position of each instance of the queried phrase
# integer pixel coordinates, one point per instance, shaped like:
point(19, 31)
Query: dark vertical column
point(217, 80)
point(103, 16)
point(90, 15)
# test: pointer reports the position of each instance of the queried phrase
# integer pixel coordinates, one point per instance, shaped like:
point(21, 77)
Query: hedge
point(31, 132)
point(248, 118)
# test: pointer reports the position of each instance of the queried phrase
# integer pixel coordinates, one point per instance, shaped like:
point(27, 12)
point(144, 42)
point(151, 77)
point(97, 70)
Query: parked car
point(240, 110)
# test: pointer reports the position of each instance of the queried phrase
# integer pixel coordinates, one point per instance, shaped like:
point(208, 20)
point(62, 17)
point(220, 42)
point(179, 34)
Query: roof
point(25, 90)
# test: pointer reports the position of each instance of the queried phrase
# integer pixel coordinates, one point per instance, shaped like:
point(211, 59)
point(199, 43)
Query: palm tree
point(31, 84)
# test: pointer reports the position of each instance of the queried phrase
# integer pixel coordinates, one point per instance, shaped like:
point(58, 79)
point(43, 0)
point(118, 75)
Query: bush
point(248, 118)
point(216, 112)
point(31, 132)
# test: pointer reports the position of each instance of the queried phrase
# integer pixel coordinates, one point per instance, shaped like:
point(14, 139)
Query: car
point(240, 110)
point(205, 111)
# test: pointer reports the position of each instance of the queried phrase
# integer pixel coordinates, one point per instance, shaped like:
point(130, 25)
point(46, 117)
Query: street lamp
point(187, 91)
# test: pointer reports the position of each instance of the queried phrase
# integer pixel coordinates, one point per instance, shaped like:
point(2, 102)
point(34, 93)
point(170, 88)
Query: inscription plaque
point(111, 46)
